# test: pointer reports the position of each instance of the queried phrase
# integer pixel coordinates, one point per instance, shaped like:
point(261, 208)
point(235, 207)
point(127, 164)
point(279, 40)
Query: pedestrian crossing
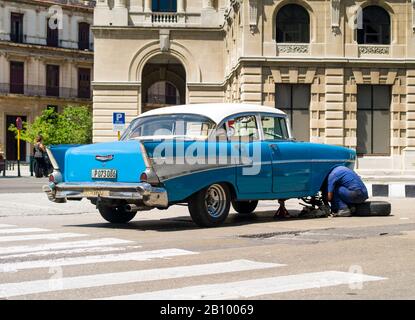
point(21, 230)
point(47, 236)
point(42, 250)
point(6, 225)
point(251, 288)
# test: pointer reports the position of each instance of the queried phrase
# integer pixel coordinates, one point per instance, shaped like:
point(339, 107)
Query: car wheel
point(373, 208)
point(116, 214)
point(210, 207)
point(244, 207)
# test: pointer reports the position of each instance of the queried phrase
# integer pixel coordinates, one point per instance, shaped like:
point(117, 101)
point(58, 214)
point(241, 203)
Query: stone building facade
point(46, 61)
point(343, 70)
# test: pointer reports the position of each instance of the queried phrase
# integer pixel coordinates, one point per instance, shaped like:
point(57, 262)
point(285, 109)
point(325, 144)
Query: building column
point(4, 74)
point(136, 6)
point(409, 151)
point(180, 6)
point(119, 4)
point(120, 13)
point(207, 4)
point(102, 3)
point(334, 106)
point(147, 6)
point(102, 13)
point(251, 84)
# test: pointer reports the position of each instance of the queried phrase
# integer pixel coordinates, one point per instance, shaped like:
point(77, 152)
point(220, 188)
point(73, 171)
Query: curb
point(391, 190)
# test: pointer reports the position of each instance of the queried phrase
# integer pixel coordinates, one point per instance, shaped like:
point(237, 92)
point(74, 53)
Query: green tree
point(72, 126)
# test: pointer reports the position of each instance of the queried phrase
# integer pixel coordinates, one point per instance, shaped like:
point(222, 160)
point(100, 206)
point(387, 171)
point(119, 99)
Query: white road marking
point(46, 236)
point(129, 256)
point(64, 252)
point(253, 288)
point(22, 230)
point(63, 245)
point(32, 287)
point(6, 226)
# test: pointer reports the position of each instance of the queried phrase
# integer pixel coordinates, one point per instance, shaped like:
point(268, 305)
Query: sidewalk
point(24, 171)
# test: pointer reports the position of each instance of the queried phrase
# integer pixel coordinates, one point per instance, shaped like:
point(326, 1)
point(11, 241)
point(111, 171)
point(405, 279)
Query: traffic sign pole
point(19, 126)
point(119, 135)
point(18, 145)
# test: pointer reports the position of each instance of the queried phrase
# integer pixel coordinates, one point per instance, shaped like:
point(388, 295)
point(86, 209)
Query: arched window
point(293, 24)
point(376, 26)
point(163, 93)
point(164, 6)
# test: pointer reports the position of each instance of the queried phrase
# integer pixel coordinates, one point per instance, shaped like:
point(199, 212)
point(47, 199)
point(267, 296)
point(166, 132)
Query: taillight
point(51, 178)
point(143, 177)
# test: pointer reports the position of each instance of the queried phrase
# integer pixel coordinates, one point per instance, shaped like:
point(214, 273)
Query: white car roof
point(215, 111)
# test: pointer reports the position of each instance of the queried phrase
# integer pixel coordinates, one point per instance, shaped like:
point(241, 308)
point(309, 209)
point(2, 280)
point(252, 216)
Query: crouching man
point(345, 188)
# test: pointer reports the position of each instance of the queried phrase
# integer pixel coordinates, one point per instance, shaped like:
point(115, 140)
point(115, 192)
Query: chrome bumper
point(150, 196)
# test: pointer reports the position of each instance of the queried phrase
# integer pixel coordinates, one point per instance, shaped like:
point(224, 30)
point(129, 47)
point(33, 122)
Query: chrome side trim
point(314, 160)
point(151, 173)
point(52, 159)
point(256, 164)
point(146, 158)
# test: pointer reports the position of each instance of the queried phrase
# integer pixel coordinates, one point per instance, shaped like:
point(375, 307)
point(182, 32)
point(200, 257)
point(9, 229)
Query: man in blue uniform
point(345, 188)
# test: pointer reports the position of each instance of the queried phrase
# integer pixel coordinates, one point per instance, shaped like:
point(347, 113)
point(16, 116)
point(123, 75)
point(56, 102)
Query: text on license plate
point(104, 174)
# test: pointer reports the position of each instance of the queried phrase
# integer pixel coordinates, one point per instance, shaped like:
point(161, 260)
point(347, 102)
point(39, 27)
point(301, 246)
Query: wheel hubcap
point(215, 200)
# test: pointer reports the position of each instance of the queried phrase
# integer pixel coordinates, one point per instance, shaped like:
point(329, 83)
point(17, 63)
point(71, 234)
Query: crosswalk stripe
point(21, 230)
point(6, 226)
point(63, 245)
point(46, 236)
point(40, 286)
point(253, 288)
point(130, 256)
point(67, 252)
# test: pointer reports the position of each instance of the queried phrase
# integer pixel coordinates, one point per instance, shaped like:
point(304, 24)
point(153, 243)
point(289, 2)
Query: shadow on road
point(182, 223)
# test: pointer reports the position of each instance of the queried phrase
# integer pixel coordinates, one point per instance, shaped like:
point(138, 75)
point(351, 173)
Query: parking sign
point(118, 121)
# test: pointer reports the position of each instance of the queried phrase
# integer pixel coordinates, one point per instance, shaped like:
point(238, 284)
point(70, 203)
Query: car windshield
point(170, 126)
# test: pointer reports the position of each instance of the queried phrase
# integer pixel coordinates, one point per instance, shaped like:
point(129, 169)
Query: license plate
point(96, 193)
point(104, 174)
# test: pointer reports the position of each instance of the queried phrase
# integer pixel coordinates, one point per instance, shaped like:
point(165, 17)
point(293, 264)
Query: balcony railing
point(44, 91)
point(78, 3)
point(164, 17)
point(373, 49)
point(62, 43)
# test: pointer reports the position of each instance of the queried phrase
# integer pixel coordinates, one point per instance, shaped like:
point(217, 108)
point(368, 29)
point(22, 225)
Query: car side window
point(243, 128)
point(221, 133)
point(275, 128)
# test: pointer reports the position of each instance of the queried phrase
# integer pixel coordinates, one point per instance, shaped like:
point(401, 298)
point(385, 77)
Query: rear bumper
point(150, 196)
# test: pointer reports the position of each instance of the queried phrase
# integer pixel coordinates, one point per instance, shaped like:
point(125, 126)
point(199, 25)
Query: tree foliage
point(72, 126)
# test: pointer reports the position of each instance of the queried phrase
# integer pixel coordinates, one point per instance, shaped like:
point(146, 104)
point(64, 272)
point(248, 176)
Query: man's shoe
point(343, 213)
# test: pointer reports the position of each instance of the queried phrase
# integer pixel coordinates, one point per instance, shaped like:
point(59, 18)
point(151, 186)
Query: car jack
point(314, 207)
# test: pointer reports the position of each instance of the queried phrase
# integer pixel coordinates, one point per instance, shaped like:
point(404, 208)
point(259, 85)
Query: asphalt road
point(71, 253)
point(22, 184)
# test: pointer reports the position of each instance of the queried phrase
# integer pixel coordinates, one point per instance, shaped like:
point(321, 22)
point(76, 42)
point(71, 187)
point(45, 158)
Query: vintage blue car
point(208, 156)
